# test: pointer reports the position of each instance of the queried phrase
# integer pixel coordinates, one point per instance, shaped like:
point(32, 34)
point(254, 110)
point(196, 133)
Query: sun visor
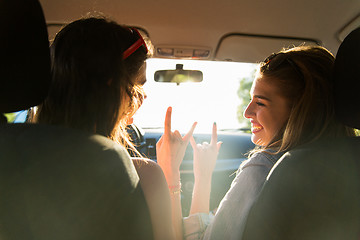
point(251, 48)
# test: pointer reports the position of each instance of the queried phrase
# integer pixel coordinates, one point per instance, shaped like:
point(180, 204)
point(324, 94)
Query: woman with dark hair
point(98, 70)
point(92, 78)
point(291, 105)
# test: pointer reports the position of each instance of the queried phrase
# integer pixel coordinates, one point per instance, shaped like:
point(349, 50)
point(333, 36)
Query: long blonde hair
point(303, 75)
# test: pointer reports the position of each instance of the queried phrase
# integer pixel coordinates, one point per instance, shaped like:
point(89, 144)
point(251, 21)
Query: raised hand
point(205, 156)
point(170, 150)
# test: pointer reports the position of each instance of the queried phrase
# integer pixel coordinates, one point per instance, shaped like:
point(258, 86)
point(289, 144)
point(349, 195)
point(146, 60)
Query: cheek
point(279, 121)
point(275, 128)
point(272, 123)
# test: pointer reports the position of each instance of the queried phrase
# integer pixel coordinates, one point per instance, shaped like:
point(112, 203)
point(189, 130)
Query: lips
point(255, 127)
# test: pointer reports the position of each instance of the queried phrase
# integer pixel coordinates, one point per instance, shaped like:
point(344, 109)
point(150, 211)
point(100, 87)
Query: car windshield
point(221, 97)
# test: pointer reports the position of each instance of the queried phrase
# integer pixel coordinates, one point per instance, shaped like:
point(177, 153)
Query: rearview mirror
point(179, 75)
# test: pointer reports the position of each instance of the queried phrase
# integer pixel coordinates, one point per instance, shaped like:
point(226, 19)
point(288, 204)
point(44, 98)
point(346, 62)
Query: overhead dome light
point(165, 52)
point(201, 53)
point(182, 52)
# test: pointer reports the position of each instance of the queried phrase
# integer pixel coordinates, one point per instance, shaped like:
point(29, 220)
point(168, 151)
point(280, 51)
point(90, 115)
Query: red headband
point(140, 42)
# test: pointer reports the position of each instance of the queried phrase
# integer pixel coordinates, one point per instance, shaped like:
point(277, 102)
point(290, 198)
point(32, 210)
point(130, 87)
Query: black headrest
point(347, 80)
point(24, 55)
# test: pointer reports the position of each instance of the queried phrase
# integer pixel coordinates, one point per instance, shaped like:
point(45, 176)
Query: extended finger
point(186, 138)
point(192, 142)
point(219, 145)
point(167, 125)
point(160, 141)
point(214, 135)
point(177, 135)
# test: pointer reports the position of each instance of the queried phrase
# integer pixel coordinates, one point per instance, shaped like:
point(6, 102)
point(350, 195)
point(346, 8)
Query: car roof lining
point(243, 47)
point(204, 23)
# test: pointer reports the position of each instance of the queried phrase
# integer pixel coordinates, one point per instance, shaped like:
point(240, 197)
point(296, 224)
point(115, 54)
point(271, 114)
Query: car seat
point(55, 182)
point(313, 192)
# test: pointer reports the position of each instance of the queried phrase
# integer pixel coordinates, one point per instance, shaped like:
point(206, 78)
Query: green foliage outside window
point(244, 95)
point(10, 117)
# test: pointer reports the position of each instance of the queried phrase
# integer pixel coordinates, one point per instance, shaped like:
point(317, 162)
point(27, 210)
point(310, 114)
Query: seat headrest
point(24, 55)
point(347, 80)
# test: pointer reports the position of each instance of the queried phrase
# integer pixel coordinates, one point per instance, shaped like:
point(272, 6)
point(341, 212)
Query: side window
point(16, 117)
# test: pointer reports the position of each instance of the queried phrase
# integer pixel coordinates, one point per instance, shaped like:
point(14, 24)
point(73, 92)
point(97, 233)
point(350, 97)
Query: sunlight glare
point(213, 100)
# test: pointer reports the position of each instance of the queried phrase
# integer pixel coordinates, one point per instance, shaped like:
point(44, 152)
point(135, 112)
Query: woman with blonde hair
point(291, 105)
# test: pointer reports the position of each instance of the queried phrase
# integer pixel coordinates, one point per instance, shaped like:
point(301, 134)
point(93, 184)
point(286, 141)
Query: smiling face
point(267, 111)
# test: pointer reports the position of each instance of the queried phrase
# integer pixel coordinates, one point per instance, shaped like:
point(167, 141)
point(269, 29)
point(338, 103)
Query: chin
point(257, 141)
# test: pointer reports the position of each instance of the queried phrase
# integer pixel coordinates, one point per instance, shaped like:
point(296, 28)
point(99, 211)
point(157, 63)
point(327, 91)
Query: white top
point(230, 218)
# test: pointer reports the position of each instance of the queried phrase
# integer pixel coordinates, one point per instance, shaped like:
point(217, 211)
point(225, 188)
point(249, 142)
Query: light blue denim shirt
point(229, 220)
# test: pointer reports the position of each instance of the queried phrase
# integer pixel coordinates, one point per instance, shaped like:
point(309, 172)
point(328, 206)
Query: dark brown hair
point(91, 81)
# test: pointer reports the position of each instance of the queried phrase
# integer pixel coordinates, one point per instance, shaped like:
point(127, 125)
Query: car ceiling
point(200, 23)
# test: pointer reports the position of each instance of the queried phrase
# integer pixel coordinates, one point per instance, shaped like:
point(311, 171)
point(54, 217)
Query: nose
point(249, 111)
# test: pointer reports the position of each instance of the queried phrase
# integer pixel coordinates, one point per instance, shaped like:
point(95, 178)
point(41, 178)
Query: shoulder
point(261, 158)
point(152, 178)
point(147, 167)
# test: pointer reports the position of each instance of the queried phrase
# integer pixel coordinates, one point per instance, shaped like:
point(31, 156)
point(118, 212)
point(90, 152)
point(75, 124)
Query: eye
point(260, 104)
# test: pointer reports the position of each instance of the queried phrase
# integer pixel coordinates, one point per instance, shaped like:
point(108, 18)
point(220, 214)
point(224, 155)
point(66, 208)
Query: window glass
point(16, 117)
point(221, 97)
